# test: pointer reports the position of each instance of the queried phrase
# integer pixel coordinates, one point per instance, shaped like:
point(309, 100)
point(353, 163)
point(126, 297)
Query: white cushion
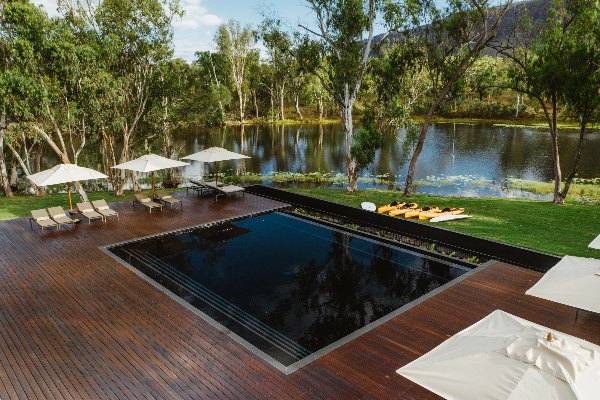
point(87, 210)
point(42, 218)
point(145, 200)
point(59, 216)
point(167, 197)
point(103, 208)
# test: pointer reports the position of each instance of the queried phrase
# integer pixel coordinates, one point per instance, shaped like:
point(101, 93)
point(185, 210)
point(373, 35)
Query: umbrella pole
point(217, 174)
point(69, 193)
point(153, 192)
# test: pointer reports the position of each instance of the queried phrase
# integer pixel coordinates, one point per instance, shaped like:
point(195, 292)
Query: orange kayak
point(454, 211)
point(389, 207)
point(427, 215)
point(404, 209)
point(417, 212)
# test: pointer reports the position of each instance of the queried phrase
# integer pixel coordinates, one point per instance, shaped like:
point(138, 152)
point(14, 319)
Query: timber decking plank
point(78, 324)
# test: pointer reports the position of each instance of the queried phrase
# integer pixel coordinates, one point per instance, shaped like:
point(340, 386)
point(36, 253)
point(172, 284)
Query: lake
point(457, 159)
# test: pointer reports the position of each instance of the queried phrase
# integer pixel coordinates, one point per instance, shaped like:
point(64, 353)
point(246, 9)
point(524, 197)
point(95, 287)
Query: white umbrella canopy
point(65, 173)
point(504, 357)
point(150, 163)
point(214, 154)
point(595, 243)
point(574, 281)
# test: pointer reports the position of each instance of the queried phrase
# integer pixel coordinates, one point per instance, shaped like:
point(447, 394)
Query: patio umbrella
point(65, 173)
point(504, 357)
point(574, 281)
point(215, 154)
point(150, 163)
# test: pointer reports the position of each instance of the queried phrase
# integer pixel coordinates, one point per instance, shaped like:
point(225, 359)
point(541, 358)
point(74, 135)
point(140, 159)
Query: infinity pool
point(289, 288)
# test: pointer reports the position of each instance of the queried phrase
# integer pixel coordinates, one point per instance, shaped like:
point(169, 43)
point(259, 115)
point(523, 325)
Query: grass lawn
point(561, 230)
point(20, 206)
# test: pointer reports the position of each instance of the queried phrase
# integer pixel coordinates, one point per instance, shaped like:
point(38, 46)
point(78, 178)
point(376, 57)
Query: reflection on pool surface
point(288, 286)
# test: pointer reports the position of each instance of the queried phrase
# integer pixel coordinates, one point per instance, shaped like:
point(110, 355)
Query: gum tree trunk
point(4, 181)
point(347, 125)
point(297, 105)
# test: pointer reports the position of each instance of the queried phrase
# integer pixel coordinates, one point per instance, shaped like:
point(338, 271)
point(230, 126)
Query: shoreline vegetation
point(506, 123)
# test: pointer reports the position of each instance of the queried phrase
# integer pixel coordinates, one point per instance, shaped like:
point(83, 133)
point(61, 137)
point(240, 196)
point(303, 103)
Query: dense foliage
point(99, 85)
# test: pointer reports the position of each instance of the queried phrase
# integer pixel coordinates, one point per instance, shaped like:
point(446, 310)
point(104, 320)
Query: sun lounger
point(228, 189)
point(201, 187)
point(42, 219)
point(60, 217)
point(146, 201)
point(87, 210)
point(168, 199)
point(103, 208)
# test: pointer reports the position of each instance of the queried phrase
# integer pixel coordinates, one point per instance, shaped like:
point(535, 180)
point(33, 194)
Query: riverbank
point(537, 225)
point(508, 123)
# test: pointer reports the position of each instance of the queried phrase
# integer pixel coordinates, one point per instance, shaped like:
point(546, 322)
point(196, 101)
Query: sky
point(195, 31)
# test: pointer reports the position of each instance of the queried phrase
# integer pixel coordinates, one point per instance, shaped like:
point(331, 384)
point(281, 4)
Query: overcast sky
point(196, 29)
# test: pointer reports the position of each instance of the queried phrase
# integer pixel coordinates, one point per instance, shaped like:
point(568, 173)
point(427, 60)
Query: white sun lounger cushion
point(59, 216)
point(42, 219)
point(561, 358)
point(167, 197)
point(145, 200)
point(87, 210)
point(103, 208)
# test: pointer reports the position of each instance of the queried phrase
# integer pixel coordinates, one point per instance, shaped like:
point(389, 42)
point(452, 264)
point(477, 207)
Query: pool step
point(221, 305)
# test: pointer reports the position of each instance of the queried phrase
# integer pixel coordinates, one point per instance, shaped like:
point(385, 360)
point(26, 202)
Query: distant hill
point(536, 9)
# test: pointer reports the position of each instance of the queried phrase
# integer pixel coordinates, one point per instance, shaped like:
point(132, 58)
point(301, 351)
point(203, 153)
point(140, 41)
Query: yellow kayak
point(453, 211)
point(405, 208)
point(389, 207)
point(417, 212)
point(427, 215)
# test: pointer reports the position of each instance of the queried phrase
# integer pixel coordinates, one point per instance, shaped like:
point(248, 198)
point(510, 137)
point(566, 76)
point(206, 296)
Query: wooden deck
point(76, 324)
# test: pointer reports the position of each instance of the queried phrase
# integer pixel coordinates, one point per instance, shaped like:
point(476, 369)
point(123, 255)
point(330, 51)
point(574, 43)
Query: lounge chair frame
point(140, 198)
point(60, 218)
point(43, 214)
point(87, 210)
point(161, 195)
point(102, 207)
point(227, 190)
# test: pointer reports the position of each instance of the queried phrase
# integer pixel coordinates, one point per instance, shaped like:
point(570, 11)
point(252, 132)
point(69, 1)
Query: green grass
point(586, 193)
point(21, 205)
point(543, 226)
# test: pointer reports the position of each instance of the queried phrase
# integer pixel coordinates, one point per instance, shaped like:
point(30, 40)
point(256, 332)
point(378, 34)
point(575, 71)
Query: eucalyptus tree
point(345, 31)
point(450, 44)
point(278, 43)
point(559, 62)
point(582, 84)
point(235, 42)
point(305, 53)
point(213, 75)
point(254, 79)
point(23, 33)
point(133, 37)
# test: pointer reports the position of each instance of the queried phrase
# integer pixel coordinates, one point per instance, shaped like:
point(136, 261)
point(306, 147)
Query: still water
point(457, 159)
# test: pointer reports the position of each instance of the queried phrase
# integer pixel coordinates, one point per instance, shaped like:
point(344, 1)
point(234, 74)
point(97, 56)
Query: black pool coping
point(249, 346)
point(490, 249)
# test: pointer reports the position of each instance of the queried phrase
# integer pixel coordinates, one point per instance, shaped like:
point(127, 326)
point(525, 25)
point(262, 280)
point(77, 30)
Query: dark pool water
point(288, 286)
